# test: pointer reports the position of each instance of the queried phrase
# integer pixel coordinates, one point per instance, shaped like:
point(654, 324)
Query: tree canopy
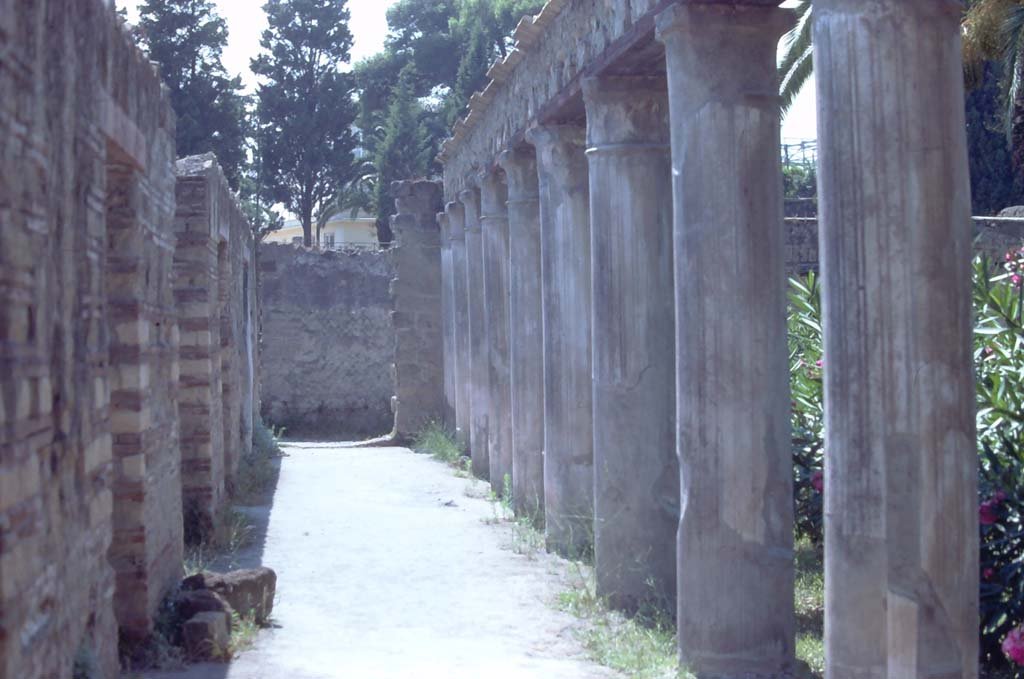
point(306, 108)
point(436, 55)
point(187, 38)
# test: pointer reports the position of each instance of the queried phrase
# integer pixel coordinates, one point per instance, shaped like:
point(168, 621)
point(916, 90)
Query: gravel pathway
point(390, 566)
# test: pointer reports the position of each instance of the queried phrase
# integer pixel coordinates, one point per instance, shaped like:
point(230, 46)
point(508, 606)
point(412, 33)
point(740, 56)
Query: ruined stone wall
point(87, 346)
point(328, 341)
point(215, 291)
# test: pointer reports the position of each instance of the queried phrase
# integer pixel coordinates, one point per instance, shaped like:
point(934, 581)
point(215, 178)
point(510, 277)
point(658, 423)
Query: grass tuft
point(810, 606)
point(259, 469)
point(639, 648)
point(232, 530)
point(437, 442)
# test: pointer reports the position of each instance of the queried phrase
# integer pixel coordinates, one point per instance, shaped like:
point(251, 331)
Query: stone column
point(494, 228)
point(447, 320)
point(901, 515)
point(636, 472)
point(526, 332)
point(479, 368)
point(568, 416)
point(735, 539)
point(416, 294)
point(460, 313)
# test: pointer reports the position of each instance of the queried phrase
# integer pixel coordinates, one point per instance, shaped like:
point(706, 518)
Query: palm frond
point(797, 65)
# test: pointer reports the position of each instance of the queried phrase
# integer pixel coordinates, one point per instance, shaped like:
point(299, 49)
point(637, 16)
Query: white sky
point(246, 22)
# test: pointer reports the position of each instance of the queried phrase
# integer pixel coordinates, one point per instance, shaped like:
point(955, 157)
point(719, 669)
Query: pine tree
point(402, 150)
point(306, 104)
point(187, 38)
point(472, 73)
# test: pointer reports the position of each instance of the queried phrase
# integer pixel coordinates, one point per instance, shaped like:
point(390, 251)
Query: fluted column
point(636, 472)
point(479, 355)
point(526, 332)
point(447, 320)
point(901, 517)
point(494, 226)
point(568, 415)
point(460, 313)
point(735, 539)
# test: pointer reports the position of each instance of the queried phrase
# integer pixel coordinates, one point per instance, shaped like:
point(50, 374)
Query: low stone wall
point(328, 341)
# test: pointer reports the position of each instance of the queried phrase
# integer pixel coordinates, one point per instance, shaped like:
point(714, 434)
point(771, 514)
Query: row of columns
point(619, 352)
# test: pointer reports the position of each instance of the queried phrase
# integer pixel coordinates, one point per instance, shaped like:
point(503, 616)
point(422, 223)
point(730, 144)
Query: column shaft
point(901, 518)
point(735, 540)
point(636, 472)
point(494, 226)
point(460, 304)
point(479, 355)
point(526, 333)
point(568, 415)
point(447, 320)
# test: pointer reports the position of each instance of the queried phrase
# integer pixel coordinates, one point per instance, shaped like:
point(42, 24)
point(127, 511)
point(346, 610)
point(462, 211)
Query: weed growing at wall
point(640, 648)
point(258, 470)
point(231, 531)
point(437, 442)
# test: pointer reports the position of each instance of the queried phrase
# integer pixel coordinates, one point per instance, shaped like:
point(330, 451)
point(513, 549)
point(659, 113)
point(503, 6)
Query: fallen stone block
point(190, 603)
point(249, 592)
point(206, 636)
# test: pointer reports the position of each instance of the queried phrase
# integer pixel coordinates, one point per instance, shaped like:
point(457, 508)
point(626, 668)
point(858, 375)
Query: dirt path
point(388, 568)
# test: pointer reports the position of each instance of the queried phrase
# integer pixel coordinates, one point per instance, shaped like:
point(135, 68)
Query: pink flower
point(1013, 646)
point(818, 481)
point(1009, 256)
point(820, 363)
point(1015, 279)
point(987, 513)
point(988, 573)
point(989, 351)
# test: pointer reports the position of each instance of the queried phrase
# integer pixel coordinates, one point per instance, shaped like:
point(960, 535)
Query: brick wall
point(215, 292)
point(87, 451)
point(94, 394)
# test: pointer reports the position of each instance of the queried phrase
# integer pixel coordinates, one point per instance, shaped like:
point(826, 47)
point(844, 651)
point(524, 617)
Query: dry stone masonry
point(113, 382)
point(635, 146)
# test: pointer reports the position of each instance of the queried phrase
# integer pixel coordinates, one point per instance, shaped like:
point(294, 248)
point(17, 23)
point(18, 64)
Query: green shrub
point(808, 416)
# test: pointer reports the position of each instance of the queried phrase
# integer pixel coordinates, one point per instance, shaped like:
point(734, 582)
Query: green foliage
point(993, 183)
point(799, 181)
point(640, 648)
point(797, 65)
point(258, 469)
point(404, 149)
point(187, 38)
point(306, 107)
point(808, 417)
point(437, 442)
point(436, 56)
point(999, 368)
